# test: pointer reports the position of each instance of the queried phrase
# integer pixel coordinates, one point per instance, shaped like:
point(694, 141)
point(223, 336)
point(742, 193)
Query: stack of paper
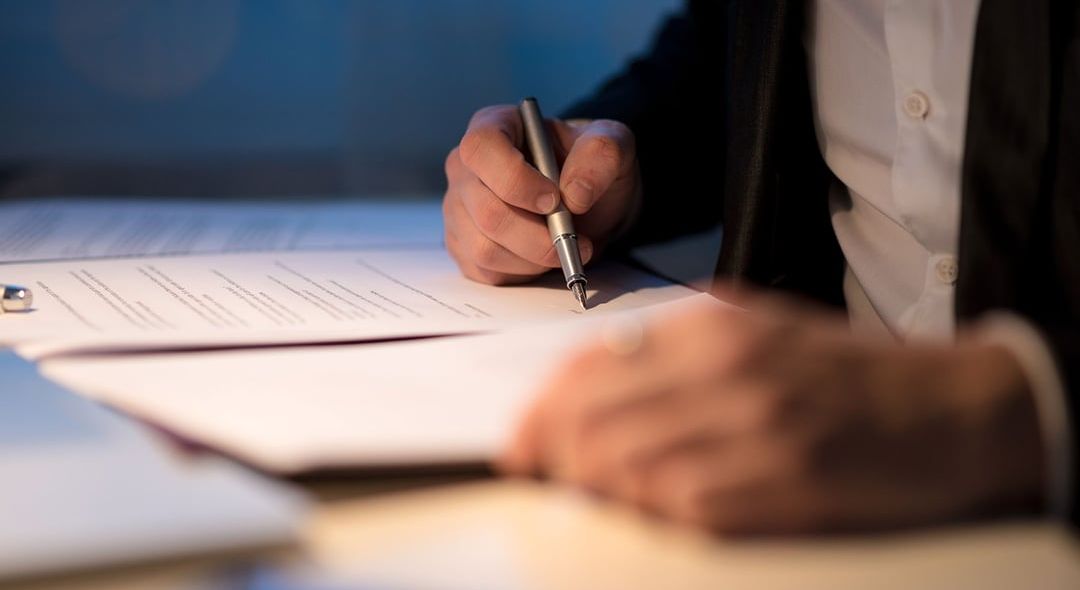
point(287, 297)
point(209, 330)
point(66, 228)
point(445, 401)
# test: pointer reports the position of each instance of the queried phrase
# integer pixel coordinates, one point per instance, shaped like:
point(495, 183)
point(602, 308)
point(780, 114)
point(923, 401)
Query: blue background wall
point(374, 91)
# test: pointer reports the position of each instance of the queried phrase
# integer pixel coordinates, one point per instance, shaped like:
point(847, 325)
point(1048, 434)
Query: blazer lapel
point(777, 230)
point(759, 30)
point(1008, 135)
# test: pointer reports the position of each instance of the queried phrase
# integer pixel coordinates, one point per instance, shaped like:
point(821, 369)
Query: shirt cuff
point(1037, 361)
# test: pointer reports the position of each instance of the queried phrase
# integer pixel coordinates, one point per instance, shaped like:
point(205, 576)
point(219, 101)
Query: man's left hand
point(781, 421)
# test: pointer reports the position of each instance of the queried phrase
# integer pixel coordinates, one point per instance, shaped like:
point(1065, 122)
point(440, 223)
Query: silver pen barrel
point(560, 222)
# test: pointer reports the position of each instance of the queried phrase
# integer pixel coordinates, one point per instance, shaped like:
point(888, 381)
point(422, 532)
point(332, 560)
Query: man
point(913, 161)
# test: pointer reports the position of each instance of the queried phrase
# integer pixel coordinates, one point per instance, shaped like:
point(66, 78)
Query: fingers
point(732, 421)
point(522, 233)
point(596, 382)
point(479, 257)
point(491, 239)
point(495, 198)
point(491, 150)
point(547, 423)
point(673, 429)
point(549, 431)
point(602, 153)
point(618, 448)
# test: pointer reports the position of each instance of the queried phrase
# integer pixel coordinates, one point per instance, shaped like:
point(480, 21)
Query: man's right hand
point(495, 200)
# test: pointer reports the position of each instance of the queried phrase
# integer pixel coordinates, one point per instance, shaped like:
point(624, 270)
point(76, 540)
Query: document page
point(429, 402)
point(85, 487)
point(53, 229)
point(288, 297)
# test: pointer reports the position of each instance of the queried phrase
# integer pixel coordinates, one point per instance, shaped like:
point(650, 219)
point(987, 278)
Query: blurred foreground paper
point(222, 300)
point(83, 487)
point(71, 228)
point(446, 401)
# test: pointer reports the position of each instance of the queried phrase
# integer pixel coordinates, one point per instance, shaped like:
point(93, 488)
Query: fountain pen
point(560, 223)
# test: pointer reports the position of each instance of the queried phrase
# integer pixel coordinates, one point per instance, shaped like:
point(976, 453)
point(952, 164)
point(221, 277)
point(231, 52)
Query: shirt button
point(917, 105)
point(946, 270)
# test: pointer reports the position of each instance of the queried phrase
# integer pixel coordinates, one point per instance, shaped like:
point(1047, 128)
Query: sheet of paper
point(66, 228)
point(288, 297)
point(440, 401)
point(85, 487)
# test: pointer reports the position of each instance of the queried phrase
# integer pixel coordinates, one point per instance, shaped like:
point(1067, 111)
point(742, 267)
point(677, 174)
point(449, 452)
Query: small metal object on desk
point(15, 298)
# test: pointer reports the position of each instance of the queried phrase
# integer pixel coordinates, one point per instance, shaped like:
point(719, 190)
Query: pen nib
point(579, 294)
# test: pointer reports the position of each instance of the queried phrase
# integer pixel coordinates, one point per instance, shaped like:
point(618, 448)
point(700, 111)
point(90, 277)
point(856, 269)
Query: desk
point(511, 535)
point(478, 534)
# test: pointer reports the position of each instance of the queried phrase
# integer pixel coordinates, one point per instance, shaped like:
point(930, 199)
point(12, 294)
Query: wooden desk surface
point(511, 535)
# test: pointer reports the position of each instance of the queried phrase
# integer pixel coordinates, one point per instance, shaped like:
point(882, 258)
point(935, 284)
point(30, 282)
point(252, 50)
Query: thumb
point(601, 152)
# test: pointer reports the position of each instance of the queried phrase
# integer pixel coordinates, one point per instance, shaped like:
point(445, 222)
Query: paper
point(288, 297)
point(54, 229)
point(441, 401)
point(84, 487)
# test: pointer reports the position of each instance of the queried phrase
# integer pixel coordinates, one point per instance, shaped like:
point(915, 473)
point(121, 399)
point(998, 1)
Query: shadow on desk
point(340, 484)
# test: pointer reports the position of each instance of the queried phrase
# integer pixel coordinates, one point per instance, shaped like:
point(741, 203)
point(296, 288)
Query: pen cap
point(15, 298)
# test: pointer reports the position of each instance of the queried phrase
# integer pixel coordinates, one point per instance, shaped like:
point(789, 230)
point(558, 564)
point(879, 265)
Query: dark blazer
point(721, 110)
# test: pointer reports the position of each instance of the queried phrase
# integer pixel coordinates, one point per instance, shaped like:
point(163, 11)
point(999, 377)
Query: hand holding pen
point(496, 201)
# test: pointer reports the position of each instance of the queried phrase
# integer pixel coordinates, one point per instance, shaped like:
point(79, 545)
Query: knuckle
point(605, 149)
point(514, 179)
point(625, 464)
point(491, 217)
point(472, 145)
point(617, 129)
point(779, 406)
point(694, 505)
point(446, 206)
point(488, 111)
point(452, 248)
point(485, 253)
point(770, 407)
point(451, 162)
point(481, 275)
point(615, 139)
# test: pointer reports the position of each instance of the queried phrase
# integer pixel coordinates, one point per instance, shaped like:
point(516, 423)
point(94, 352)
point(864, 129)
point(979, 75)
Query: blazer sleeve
point(672, 98)
point(1066, 347)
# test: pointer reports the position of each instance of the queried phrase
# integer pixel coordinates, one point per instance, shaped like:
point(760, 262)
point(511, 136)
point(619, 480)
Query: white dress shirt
point(890, 79)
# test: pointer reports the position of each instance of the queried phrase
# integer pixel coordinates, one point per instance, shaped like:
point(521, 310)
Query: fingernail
point(546, 203)
point(579, 192)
